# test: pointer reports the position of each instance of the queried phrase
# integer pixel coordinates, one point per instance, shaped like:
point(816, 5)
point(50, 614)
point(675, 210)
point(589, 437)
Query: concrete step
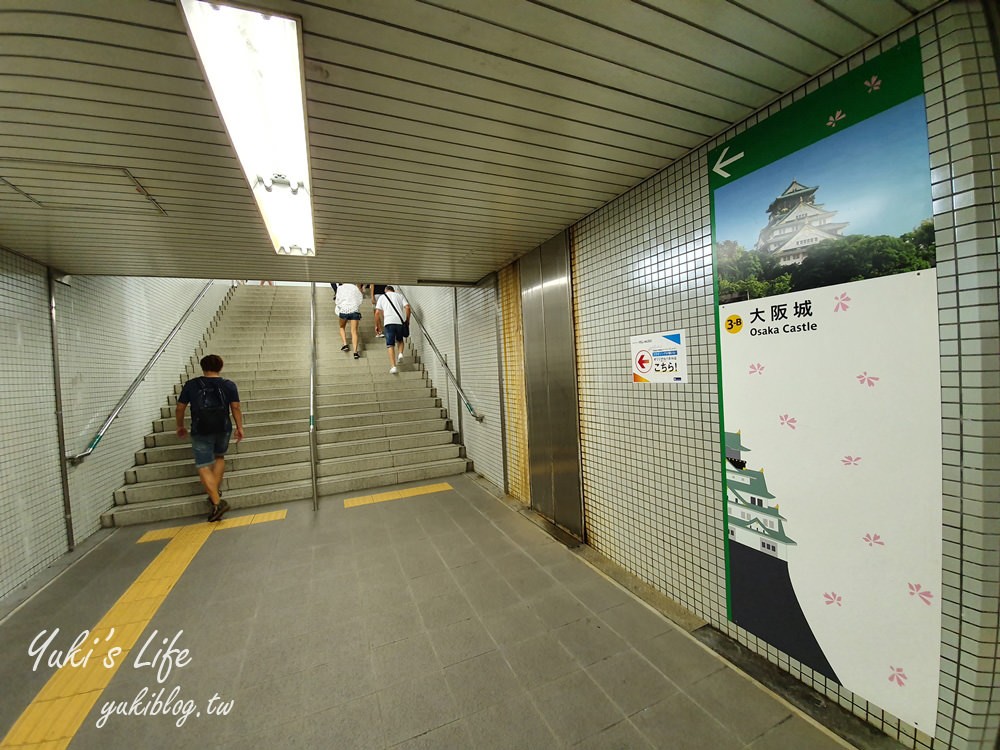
point(195, 505)
point(182, 449)
point(250, 419)
point(402, 381)
point(341, 391)
point(250, 384)
point(235, 462)
point(250, 404)
point(349, 396)
point(370, 432)
point(263, 413)
point(169, 436)
point(161, 489)
point(389, 476)
point(344, 467)
point(380, 418)
point(395, 450)
point(351, 448)
point(371, 407)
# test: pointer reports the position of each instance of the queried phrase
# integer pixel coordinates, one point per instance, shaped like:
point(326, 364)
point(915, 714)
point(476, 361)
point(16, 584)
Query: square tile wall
point(108, 327)
point(434, 308)
point(32, 530)
point(468, 343)
point(652, 490)
point(479, 374)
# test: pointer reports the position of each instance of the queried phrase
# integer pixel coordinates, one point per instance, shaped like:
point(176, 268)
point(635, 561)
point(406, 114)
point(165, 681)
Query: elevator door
point(550, 385)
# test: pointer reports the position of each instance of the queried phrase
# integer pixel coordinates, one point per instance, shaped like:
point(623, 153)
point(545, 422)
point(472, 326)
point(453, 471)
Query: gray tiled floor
point(437, 621)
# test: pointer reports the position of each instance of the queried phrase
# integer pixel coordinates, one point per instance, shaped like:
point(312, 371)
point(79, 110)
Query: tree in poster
point(747, 274)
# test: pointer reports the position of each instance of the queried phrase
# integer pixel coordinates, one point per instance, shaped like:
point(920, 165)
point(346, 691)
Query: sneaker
point(380, 335)
point(393, 370)
point(210, 504)
point(345, 348)
point(399, 357)
point(219, 512)
point(357, 355)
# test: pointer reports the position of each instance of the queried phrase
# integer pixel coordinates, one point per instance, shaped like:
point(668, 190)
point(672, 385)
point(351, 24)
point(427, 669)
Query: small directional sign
point(659, 358)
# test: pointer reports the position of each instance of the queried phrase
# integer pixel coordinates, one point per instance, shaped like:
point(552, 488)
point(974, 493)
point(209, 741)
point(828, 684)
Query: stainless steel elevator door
point(550, 385)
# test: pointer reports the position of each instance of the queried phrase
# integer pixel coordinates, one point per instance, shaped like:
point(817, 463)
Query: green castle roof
point(777, 535)
point(734, 443)
point(756, 486)
point(772, 512)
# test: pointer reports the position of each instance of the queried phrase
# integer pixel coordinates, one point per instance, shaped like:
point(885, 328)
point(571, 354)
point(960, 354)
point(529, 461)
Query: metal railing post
point(312, 398)
point(60, 428)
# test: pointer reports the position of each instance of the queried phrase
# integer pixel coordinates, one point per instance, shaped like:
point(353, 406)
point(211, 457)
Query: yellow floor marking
point(55, 715)
point(354, 502)
point(228, 523)
point(158, 534)
point(275, 515)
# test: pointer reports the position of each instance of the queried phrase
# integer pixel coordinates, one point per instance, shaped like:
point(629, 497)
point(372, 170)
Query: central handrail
point(79, 457)
point(465, 399)
point(312, 398)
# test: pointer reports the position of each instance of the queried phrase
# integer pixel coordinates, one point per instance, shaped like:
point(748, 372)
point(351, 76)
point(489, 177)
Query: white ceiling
point(447, 137)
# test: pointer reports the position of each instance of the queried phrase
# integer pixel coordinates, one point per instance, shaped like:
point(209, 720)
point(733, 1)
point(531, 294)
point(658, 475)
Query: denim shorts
point(393, 334)
point(350, 316)
point(209, 447)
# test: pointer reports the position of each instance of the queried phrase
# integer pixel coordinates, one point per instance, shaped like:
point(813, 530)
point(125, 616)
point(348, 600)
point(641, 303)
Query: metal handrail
point(312, 398)
point(468, 405)
point(79, 457)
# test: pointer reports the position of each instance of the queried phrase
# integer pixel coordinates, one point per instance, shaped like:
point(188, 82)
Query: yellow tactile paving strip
point(353, 502)
point(52, 719)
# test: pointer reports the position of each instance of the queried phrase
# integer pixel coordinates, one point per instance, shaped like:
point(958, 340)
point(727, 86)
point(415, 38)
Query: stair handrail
point(312, 398)
point(465, 399)
point(78, 458)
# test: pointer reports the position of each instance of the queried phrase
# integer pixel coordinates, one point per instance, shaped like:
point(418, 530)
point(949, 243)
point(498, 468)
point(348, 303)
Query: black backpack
point(209, 410)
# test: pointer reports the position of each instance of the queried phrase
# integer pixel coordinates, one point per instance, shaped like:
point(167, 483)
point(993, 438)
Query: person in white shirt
point(349, 309)
point(391, 314)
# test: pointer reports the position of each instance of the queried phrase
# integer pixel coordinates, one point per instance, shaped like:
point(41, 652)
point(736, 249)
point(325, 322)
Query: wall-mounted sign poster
point(830, 384)
point(659, 357)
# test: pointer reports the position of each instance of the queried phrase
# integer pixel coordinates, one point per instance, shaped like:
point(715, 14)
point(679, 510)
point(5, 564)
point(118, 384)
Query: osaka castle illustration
point(754, 520)
point(796, 222)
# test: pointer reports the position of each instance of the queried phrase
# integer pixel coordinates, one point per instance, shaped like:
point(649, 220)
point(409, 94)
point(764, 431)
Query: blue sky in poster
point(875, 175)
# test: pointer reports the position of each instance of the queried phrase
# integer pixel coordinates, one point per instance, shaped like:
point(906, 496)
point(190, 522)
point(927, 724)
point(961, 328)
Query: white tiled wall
point(480, 378)
point(964, 125)
point(478, 365)
point(650, 458)
point(108, 328)
point(434, 307)
point(32, 531)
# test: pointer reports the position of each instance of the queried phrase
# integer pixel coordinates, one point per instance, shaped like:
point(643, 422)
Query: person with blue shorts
point(213, 399)
point(392, 317)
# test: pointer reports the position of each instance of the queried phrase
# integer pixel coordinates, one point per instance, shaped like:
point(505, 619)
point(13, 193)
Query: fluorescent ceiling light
point(253, 64)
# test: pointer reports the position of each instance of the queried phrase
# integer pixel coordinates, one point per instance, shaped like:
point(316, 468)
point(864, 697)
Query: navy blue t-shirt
point(193, 386)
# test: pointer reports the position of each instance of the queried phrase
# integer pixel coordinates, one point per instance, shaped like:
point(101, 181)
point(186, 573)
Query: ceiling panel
point(446, 137)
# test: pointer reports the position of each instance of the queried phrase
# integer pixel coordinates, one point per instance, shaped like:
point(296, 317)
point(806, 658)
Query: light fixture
point(253, 62)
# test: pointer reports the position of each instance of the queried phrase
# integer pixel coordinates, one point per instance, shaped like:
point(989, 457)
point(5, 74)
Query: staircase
point(373, 428)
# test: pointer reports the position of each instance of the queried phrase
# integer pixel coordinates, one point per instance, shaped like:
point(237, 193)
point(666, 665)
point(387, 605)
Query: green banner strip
point(880, 84)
